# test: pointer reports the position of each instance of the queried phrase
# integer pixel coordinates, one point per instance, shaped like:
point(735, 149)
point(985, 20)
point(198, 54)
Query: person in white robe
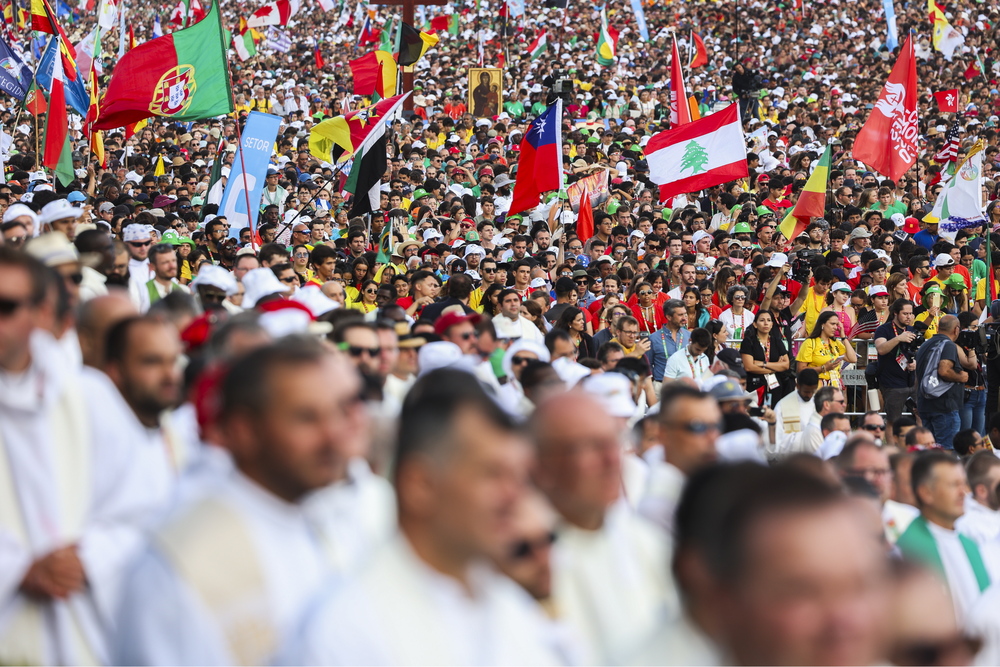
point(792, 413)
point(939, 485)
point(70, 505)
point(431, 594)
point(611, 582)
point(981, 520)
point(226, 578)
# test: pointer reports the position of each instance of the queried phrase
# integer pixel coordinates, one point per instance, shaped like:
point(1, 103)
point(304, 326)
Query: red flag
point(947, 100)
point(680, 112)
point(440, 23)
point(700, 56)
point(888, 141)
point(56, 125)
point(274, 13)
point(585, 218)
point(319, 58)
point(374, 72)
point(34, 102)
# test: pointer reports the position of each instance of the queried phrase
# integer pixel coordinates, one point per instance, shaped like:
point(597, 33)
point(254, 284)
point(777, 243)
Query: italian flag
point(538, 47)
point(245, 41)
point(699, 154)
point(812, 200)
point(181, 76)
point(607, 42)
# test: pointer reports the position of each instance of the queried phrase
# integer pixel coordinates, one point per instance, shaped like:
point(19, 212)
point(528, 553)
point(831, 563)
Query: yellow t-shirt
point(476, 300)
point(932, 322)
point(812, 307)
point(815, 353)
point(981, 289)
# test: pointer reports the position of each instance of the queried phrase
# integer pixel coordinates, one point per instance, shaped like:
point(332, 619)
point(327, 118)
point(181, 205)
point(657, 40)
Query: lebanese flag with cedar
point(699, 154)
point(947, 100)
point(274, 13)
point(888, 141)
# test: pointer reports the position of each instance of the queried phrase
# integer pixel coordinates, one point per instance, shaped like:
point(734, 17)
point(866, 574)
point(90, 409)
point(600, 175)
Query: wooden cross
point(408, 6)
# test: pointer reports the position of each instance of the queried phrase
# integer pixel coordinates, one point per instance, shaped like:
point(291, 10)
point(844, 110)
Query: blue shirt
point(661, 345)
point(925, 239)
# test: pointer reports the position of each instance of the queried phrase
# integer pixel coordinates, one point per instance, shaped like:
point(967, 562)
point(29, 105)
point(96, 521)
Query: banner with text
point(253, 155)
point(596, 184)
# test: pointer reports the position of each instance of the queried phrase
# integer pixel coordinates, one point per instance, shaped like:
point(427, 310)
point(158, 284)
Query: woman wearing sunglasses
point(365, 300)
point(649, 314)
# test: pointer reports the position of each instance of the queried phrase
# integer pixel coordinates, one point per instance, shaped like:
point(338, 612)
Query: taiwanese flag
point(182, 76)
point(888, 141)
point(320, 64)
point(540, 165)
point(947, 100)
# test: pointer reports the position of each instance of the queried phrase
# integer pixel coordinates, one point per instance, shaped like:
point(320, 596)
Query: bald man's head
point(95, 318)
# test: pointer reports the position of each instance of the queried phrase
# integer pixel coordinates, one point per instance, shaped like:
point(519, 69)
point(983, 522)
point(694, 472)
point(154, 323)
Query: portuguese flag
point(607, 42)
point(181, 76)
point(812, 200)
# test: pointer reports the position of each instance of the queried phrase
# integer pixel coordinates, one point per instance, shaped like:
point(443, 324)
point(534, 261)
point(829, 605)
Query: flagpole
point(329, 180)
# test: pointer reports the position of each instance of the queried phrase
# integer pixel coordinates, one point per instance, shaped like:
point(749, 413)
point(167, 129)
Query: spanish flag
point(336, 139)
point(812, 200)
point(16, 16)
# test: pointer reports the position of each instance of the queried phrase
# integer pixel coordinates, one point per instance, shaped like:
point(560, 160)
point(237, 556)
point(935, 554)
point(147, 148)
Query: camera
point(802, 264)
point(755, 412)
point(910, 349)
point(973, 340)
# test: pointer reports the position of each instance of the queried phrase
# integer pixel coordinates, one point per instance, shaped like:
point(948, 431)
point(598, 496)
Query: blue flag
point(15, 76)
point(76, 94)
point(892, 36)
point(640, 19)
point(254, 153)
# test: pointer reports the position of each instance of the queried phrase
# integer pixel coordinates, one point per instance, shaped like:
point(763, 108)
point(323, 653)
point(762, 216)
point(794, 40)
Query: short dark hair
point(807, 377)
point(678, 391)
point(978, 467)
point(701, 337)
point(429, 410)
point(269, 250)
point(39, 274)
point(245, 387)
point(827, 422)
point(320, 253)
point(924, 464)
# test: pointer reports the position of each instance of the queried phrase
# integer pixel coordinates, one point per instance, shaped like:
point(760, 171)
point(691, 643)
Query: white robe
point(166, 620)
point(358, 514)
point(613, 585)
point(96, 501)
point(788, 443)
point(982, 525)
point(679, 642)
point(662, 493)
point(400, 611)
point(957, 570)
point(984, 621)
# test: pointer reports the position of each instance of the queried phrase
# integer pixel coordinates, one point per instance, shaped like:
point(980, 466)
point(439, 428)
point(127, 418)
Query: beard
point(117, 280)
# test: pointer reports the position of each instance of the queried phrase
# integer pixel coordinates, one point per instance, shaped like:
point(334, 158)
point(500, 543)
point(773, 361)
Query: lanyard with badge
point(770, 379)
point(900, 357)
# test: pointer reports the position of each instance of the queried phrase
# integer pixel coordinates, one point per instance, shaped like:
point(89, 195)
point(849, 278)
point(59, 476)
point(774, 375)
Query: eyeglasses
point(289, 279)
point(623, 332)
point(739, 297)
point(371, 291)
point(10, 306)
point(870, 472)
point(697, 427)
point(525, 548)
point(518, 361)
point(874, 427)
point(646, 293)
point(16, 240)
point(139, 244)
point(218, 297)
point(488, 270)
point(75, 278)
point(356, 351)
point(469, 334)
point(706, 295)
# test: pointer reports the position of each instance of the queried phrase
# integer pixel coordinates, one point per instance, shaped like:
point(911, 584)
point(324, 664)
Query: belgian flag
point(413, 44)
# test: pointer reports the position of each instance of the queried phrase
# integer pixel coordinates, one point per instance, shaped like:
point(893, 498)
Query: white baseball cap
point(778, 260)
point(944, 259)
point(875, 290)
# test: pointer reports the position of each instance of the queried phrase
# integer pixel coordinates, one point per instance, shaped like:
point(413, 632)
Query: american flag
point(950, 151)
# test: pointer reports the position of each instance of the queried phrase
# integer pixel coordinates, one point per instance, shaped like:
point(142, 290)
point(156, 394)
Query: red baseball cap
point(448, 320)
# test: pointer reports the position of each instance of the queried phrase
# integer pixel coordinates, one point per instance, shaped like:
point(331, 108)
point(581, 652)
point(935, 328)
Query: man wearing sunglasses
point(359, 341)
point(138, 241)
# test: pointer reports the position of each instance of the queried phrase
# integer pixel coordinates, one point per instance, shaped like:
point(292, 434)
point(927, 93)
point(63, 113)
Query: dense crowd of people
point(682, 439)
